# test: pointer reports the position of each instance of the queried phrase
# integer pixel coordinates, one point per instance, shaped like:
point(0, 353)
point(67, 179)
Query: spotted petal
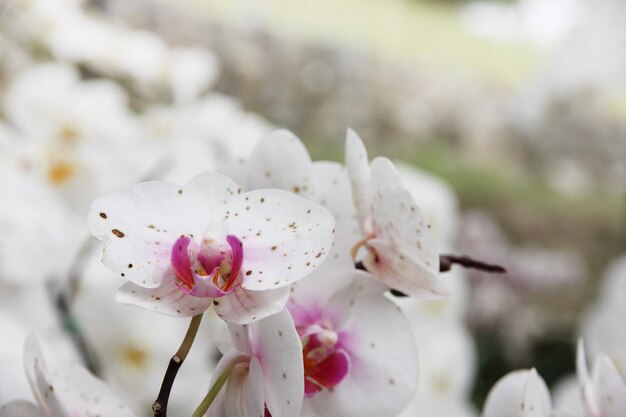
point(139, 226)
point(243, 306)
point(398, 218)
point(383, 372)
point(285, 237)
point(280, 161)
point(167, 298)
point(70, 389)
point(519, 394)
point(399, 270)
point(279, 351)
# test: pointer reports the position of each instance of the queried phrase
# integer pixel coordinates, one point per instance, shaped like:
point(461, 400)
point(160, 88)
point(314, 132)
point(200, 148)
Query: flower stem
point(215, 389)
point(160, 405)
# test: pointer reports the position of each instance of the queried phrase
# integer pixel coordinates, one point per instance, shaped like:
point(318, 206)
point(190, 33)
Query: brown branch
point(159, 407)
point(446, 262)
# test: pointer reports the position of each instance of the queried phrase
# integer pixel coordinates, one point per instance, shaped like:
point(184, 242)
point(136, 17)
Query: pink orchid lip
point(326, 364)
point(201, 277)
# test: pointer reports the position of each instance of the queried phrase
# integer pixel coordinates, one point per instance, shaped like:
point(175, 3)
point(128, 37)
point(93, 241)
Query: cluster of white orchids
point(304, 262)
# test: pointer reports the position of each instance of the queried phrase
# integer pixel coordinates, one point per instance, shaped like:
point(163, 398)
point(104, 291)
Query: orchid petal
point(610, 388)
point(20, 408)
point(359, 173)
point(215, 187)
point(218, 408)
point(139, 226)
point(40, 379)
point(333, 191)
point(280, 161)
point(284, 236)
point(586, 384)
point(399, 270)
point(243, 306)
point(383, 370)
point(277, 347)
point(398, 218)
point(244, 396)
point(519, 394)
point(167, 298)
point(70, 390)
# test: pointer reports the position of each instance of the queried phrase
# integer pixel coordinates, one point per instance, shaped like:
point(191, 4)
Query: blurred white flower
point(87, 145)
point(602, 325)
point(69, 390)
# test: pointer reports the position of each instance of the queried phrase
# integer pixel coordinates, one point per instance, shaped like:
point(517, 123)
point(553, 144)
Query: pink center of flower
point(326, 364)
point(207, 270)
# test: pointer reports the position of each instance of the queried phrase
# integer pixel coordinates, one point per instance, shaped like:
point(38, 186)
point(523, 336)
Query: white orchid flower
point(604, 390)
point(401, 247)
point(68, 391)
point(359, 354)
point(183, 247)
point(266, 370)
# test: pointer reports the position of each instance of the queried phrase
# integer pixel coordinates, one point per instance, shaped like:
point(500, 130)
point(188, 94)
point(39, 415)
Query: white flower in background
point(190, 71)
point(204, 134)
point(81, 147)
point(36, 228)
point(69, 390)
point(359, 355)
point(185, 247)
point(267, 370)
point(73, 35)
point(133, 354)
point(604, 391)
point(447, 359)
point(602, 325)
point(401, 247)
point(519, 394)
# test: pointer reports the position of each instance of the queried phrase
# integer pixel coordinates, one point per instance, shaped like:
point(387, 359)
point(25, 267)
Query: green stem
point(160, 405)
point(215, 389)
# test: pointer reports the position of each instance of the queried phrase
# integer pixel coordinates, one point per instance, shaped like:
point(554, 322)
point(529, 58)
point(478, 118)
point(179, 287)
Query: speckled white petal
point(139, 225)
point(244, 393)
point(69, 390)
point(215, 187)
point(359, 173)
point(20, 408)
point(167, 298)
point(40, 379)
point(280, 161)
point(397, 269)
point(278, 349)
point(239, 338)
point(84, 395)
point(519, 394)
point(246, 306)
point(384, 366)
point(285, 237)
point(610, 388)
point(397, 216)
point(333, 192)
